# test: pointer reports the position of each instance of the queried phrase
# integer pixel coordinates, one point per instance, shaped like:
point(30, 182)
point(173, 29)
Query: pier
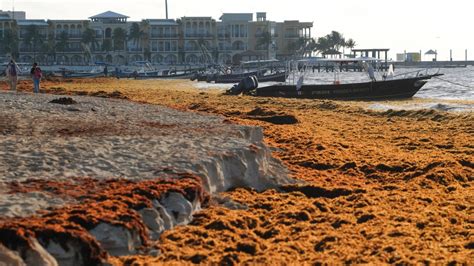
point(435, 64)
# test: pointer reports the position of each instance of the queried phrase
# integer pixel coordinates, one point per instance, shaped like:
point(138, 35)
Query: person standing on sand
point(36, 75)
point(12, 72)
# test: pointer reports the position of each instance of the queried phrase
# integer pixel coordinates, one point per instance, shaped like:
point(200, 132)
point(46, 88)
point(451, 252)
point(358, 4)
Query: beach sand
point(380, 186)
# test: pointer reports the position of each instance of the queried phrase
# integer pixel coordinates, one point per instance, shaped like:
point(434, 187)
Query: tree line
point(331, 43)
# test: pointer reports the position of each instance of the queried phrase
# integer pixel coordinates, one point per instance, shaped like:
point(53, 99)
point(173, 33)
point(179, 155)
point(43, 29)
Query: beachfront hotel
point(109, 37)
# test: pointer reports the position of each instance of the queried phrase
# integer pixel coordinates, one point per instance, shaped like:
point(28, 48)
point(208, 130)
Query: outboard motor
point(245, 86)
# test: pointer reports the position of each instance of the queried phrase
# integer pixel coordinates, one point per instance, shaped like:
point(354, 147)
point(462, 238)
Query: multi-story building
point(110, 37)
point(163, 38)
point(198, 39)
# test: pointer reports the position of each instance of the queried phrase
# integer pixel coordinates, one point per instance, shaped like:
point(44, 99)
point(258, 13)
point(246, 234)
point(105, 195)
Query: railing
point(164, 35)
point(135, 49)
point(260, 35)
point(23, 35)
point(75, 36)
point(239, 48)
point(199, 35)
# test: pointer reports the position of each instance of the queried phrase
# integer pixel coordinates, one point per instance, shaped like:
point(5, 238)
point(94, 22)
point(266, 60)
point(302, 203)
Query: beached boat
point(400, 88)
point(230, 77)
point(274, 77)
point(168, 76)
point(83, 75)
point(235, 78)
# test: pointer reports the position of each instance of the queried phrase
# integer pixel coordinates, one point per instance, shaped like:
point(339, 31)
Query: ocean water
point(453, 92)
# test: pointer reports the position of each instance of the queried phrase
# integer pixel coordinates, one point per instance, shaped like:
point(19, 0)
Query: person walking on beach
point(36, 75)
point(12, 72)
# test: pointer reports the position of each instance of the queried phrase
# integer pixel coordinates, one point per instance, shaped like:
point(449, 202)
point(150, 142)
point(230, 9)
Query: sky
point(402, 25)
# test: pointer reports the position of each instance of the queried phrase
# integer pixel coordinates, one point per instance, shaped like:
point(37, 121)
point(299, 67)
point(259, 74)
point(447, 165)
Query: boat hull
point(377, 90)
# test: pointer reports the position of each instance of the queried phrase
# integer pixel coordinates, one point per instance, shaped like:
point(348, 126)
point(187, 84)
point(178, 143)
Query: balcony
point(223, 35)
point(135, 49)
point(75, 36)
point(225, 48)
point(162, 36)
point(199, 35)
point(43, 36)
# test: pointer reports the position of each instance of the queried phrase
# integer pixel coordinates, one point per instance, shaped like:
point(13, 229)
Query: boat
point(185, 75)
point(388, 89)
point(230, 77)
point(279, 76)
point(135, 69)
point(274, 77)
point(390, 86)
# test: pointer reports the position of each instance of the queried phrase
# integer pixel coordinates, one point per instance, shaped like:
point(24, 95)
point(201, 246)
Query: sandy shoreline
point(383, 187)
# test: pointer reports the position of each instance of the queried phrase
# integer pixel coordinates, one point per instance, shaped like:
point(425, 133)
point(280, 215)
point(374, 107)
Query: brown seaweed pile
point(115, 202)
point(381, 187)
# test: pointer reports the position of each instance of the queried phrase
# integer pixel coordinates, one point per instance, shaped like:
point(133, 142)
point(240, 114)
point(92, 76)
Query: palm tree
point(336, 39)
point(135, 34)
point(350, 44)
point(9, 42)
point(33, 38)
point(107, 45)
point(61, 45)
point(145, 39)
point(50, 48)
point(88, 42)
point(88, 38)
point(265, 39)
point(323, 45)
point(332, 43)
point(119, 36)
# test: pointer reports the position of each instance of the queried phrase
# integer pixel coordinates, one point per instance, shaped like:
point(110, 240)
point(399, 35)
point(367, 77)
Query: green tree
point(322, 45)
point(88, 43)
point(145, 39)
point(107, 45)
point(89, 39)
point(333, 43)
point(33, 39)
point(49, 48)
point(336, 40)
point(61, 44)
point(311, 45)
point(9, 42)
point(135, 34)
point(265, 40)
point(351, 44)
point(119, 36)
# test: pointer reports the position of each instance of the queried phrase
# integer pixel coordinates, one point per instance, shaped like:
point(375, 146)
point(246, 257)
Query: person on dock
point(12, 72)
point(36, 75)
point(106, 71)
